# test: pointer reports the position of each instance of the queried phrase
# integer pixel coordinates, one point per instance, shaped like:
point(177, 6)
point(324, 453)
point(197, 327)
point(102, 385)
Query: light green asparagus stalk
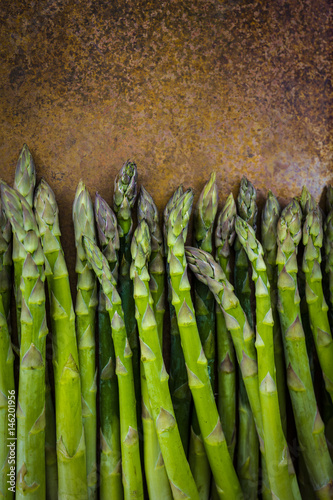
point(157, 405)
point(85, 309)
point(130, 452)
point(24, 183)
point(110, 453)
point(276, 449)
point(71, 453)
point(124, 197)
point(7, 385)
point(226, 394)
point(211, 273)
point(312, 241)
point(328, 248)
point(225, 477)
point(269, 219)
point(180, 392)
point(147, 211)
point(51, 469)
point(309, 425)
point(204, 217)
point(6, 263)
point(156, 477)
point(248, 448)
point(30, 464)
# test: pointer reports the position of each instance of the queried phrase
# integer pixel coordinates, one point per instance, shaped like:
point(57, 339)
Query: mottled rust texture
point(182, 87)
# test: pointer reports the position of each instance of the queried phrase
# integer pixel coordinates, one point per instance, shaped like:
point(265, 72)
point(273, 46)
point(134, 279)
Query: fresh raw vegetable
point(110, 453)
point(309, 425)
point(226, 359)
point(85, 309)
point(276, 449)
point(131, 464)
point(30, 463)
point(71, 451)
point(173, 455)
point(248, 445)
point(225, 477)
point(180, 392)
point(151, 249)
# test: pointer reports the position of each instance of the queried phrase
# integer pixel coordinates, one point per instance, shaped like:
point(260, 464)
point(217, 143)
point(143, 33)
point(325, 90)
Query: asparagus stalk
point(7, 385)
point(110, 453)
point(180, 392)
point(309, 425)
point(51, 469)
point(24, 183)
point(31, 395)
point(328, 248)
point(156, 477)
point(312, 241)
point(225, 477)
point(85, 309)
point(226, 394)
point(276, 449)
point(329, 198)
point(147, 211)
point(269, 220)
point(156, 381)
point(124, 197)
point(248, 449)
point(131, 465)
point(71, 454)
point(204, 216)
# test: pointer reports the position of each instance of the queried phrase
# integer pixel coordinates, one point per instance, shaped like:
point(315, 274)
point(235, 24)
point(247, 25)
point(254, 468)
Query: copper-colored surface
point(184, 88)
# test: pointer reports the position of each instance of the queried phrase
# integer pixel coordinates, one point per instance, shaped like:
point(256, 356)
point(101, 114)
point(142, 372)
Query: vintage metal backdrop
point(182, 87)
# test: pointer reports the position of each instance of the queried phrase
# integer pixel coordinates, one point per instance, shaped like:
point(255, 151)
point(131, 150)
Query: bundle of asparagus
point(246, 374)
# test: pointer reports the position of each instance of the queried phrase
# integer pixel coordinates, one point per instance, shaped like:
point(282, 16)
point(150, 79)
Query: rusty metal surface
point(184, 88)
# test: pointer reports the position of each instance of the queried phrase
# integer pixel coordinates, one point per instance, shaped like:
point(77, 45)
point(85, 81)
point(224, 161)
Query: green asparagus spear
point(226, 394)
point(211, 273)
point(180, 392)
point(248, 449)
point(71, 453)
point(51, 469)
point(30, 464)
point(225, 477)
point(309, 425)
point(156, 476)
point(85, 309)
point(110, 453)
point(124, 197)
point(156, 384)
point(269, 220)
point(204, 216)
point(7, 385)
point(131, 465)
point(276, 449)
point(312, 241)
point(24, 183)
point(147, 210)
point(328, 248)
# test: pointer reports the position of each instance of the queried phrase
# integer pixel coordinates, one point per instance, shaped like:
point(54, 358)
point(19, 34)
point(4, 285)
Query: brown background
point(183, 88)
